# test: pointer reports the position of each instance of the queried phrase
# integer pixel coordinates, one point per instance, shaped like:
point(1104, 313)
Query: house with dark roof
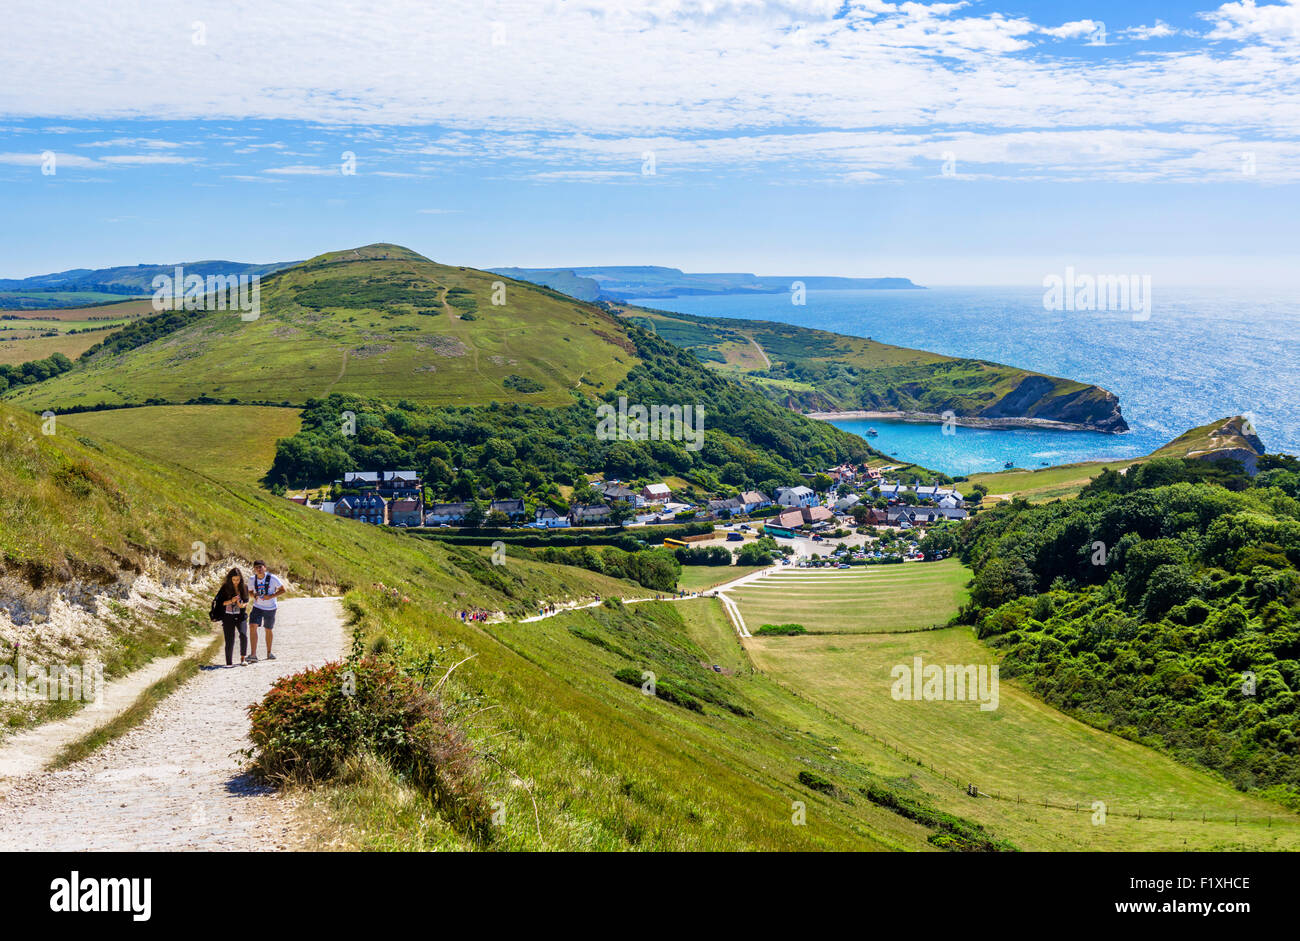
point(790, 519)
point(365, 507)
point(817, 515)
point(595, 515)
point(445, 513)
point(727, 507)
point(513, 509)
point(616, 491)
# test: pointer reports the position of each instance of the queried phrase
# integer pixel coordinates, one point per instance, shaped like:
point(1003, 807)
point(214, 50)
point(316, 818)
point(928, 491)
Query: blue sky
point(953, 143)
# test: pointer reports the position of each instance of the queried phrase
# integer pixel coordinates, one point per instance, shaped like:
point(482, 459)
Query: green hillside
point(379, 321)
point(607, 767)
point(816, 371)
point(562, 736)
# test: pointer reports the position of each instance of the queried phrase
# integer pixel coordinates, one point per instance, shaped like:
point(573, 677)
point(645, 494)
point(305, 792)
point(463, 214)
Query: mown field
point(227, 442)
point(1024, 749)
point(864, 599)
point(701, 577)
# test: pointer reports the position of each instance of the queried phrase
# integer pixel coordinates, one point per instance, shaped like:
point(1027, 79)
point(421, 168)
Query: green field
point(700, 577)
point(1024, 749)
point(227, 442)
point(864, 599)
point(379, 321)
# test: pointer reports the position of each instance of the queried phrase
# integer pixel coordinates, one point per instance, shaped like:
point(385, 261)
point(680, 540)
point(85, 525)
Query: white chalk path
point(173, 782)
point(718, 591)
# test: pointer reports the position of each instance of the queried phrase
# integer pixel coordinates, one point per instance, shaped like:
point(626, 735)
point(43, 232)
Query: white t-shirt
point(266, 586)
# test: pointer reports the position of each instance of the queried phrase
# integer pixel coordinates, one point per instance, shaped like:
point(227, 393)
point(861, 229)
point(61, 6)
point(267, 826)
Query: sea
point(1200, 355)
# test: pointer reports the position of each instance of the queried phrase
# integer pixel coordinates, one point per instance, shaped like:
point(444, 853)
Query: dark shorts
point(263, 618)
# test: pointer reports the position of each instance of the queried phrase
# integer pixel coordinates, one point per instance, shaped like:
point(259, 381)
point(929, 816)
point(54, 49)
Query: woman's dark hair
point(228, 589)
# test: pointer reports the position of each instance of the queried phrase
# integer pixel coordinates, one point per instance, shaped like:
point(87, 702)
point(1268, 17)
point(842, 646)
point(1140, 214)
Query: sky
point(983, 142)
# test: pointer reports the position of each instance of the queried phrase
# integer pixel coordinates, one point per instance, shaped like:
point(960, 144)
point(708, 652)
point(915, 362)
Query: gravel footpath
point(174, 782)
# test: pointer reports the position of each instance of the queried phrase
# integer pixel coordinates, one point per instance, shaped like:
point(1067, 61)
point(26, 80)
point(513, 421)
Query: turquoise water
point(1202, 355)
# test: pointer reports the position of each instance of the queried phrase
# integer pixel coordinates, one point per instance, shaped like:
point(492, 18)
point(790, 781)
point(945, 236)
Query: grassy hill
point(817, 371)
point(1225, 437)
point(378, 321)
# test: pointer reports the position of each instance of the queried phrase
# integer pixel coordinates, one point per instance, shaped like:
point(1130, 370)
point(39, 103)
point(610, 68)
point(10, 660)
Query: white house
point(800, 496)
point(544, 517)
point(844, 504)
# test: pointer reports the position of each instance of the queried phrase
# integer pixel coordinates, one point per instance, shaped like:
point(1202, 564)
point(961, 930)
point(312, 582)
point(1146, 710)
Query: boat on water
point(872, 433)
point(1008, 465)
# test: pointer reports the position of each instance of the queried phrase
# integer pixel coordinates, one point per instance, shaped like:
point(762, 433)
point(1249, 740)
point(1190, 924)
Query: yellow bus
point(675, 543)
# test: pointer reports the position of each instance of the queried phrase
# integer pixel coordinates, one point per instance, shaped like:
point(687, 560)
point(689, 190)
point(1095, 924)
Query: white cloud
point(38, 159)
point(854, 89)
point(1270, 23)
point(1161, 30)
point(302, 170)
point(1076, 29)
point(146, 159)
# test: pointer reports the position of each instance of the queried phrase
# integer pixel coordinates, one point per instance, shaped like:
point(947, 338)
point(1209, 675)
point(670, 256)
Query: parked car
point(735, 537)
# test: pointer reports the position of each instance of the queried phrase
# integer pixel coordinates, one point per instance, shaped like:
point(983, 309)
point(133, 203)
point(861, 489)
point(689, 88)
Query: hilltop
point(378, 320)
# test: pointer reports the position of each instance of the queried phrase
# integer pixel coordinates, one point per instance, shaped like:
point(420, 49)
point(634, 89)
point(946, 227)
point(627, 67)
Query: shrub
point(784, 630)
point(311, 722)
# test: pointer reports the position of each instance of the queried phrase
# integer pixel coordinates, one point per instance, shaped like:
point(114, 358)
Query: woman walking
point(232, 600)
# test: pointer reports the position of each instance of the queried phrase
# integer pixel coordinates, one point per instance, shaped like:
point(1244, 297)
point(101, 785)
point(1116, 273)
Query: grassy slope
point(606, 767)
point(379, 345)
point(227, 442)
point(1065, 480)
point(1024, 748)
point(916, 378)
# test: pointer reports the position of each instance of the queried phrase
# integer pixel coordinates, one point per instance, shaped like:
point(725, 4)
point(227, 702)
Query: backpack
point(217, 609)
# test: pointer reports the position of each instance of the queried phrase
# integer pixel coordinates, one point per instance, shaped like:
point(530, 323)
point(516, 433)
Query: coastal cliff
point(830, 375)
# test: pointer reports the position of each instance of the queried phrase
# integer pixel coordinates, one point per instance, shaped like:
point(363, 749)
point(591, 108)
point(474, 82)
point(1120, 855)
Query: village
point(840, 516)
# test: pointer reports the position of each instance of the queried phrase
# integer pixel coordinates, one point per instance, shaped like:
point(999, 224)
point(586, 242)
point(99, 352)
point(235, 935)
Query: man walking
point(266, 588)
